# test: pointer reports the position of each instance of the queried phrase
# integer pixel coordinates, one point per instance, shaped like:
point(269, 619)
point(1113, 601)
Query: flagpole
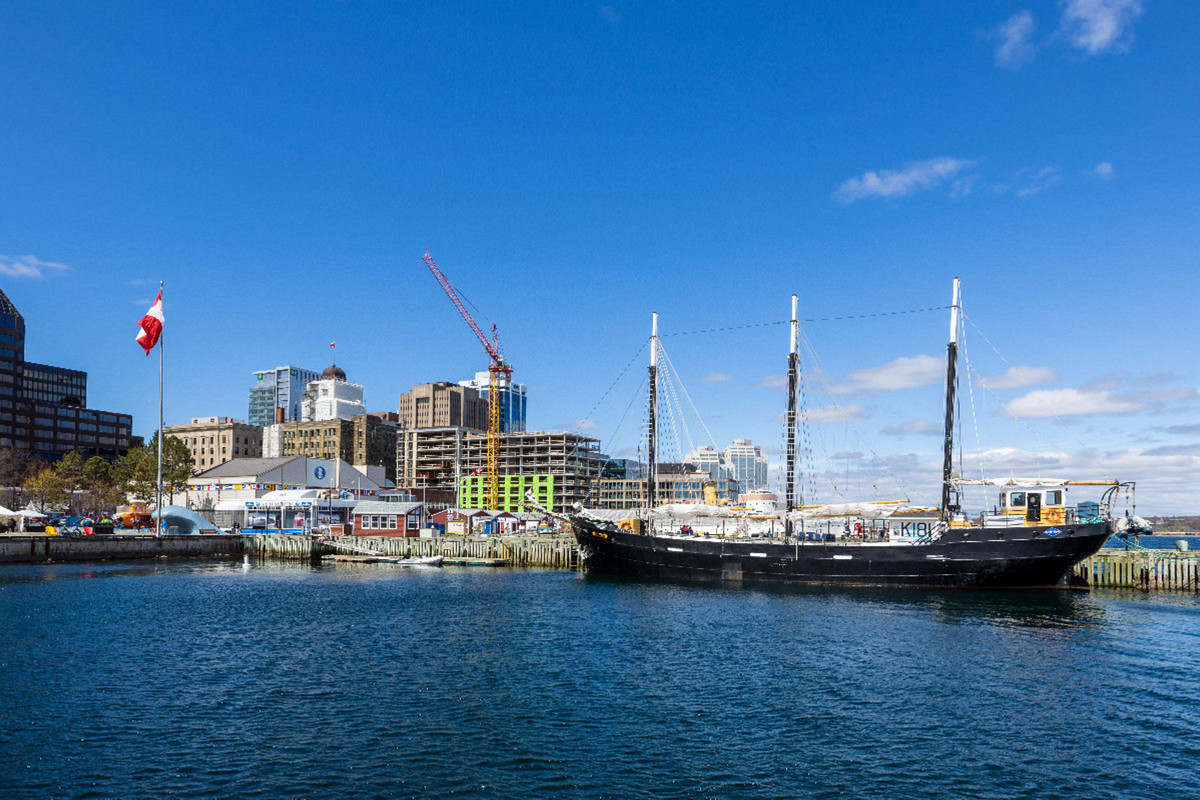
point(161, 337)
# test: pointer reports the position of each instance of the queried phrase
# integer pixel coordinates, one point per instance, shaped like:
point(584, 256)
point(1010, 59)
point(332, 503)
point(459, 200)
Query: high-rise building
point(43, 407)
point(278, 395)
point(214, 440)
point(708, 459)
point(748, 463)
point(442, 405)
point(331, 397)
point(512, 400)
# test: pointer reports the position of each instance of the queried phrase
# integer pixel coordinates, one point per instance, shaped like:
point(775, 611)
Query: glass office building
point(278, 394)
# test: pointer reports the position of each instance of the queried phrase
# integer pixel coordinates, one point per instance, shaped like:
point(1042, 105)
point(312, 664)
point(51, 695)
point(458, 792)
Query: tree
point(45, 489)
point(70, 470)
point(14, 469)
point(100, 493)
point(137, 470)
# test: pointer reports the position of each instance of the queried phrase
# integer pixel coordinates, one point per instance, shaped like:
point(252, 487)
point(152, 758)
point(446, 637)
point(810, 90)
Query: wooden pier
point(1148, 570)
point(519, 551)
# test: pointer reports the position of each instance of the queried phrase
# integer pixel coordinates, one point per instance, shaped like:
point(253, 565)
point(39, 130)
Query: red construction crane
point(496, 368)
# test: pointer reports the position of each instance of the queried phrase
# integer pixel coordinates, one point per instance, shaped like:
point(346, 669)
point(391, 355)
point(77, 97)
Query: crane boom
point(496, 369)
point(492, 347)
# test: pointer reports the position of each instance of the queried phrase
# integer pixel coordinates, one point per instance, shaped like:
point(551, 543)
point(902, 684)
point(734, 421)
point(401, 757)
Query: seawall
point(35, 549)
point(518, 551)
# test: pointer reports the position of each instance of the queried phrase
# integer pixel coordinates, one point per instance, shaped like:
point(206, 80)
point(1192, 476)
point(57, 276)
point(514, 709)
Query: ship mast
point(790, 485)
point(652, 433)
point(951, 379)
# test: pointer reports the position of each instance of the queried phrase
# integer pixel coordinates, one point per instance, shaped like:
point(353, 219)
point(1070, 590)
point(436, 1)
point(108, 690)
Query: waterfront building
point(674, 483)
point(43, 408)
point(442, 405)
point(748, 465)
point(331, 397)
point(362, 440)
point(568, 465)
point(381, 518)
point(278, 393)
point(708, 459)
point(215, 440)
point(226, 489)
point(512, 400)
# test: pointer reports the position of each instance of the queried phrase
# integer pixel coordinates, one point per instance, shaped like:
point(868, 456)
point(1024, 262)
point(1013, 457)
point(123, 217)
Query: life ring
point(625, 524)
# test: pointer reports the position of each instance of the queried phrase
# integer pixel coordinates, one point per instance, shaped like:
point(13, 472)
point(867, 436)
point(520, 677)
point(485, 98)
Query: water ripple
point(212, 680)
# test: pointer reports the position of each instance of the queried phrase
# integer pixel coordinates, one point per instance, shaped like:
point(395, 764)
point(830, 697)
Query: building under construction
point(560, 467)
point(573, 462)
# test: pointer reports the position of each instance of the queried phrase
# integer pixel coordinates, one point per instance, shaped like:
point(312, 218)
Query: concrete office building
point(43, 408)
point(442, 405)
point(278, 395)
point(363, 440)
point(214, 440)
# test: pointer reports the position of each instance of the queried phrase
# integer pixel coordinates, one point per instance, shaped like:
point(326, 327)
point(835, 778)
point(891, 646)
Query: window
point(1054, 498)
point(391, 520)
point(1016, 499)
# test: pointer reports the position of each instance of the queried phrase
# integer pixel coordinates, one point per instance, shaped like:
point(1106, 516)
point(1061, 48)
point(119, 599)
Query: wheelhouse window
point(1016, 499)
point(1054, 498)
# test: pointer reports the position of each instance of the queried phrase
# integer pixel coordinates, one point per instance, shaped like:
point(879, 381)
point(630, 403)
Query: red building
point(377, 518)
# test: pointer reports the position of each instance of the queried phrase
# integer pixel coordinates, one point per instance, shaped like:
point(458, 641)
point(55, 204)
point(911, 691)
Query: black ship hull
point(1024, 557)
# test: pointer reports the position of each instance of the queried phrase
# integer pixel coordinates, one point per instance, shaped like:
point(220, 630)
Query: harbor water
point(208, 679)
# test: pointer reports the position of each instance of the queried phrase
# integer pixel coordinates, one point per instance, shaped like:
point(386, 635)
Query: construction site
point(438, 445)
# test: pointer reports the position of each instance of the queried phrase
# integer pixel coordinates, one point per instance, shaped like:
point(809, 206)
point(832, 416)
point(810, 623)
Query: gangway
point(353, 547)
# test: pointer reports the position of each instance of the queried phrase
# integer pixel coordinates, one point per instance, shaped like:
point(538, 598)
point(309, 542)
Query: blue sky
point(574, 167)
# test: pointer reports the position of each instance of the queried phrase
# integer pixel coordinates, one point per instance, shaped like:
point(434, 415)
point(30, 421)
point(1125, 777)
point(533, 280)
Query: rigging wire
point(812, 319)
point(688, 397)
point(983, 381)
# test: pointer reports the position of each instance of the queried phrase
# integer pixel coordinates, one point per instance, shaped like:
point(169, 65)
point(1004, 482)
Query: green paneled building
point(512, 492)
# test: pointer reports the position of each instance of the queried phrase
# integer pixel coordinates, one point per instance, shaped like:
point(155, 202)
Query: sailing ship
point(1032, 540)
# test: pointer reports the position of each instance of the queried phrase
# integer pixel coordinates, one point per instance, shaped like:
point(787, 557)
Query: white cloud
point(922, 426)
point(1098, 26)
point(913, 177)
point(717, 377)
point(29, 267)
point(578, 425)
point(1021, 377)
point(773, 382)
point(1033, 181)
point(903, 373)
point(1070, 402)
point(834, 414)
point(1015, 49)
point(1103, 171)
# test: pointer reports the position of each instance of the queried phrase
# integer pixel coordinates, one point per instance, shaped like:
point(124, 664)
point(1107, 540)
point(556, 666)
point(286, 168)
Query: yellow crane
point(496, 368)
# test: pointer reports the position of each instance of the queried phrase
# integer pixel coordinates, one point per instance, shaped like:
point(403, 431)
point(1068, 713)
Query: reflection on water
point(244, 679)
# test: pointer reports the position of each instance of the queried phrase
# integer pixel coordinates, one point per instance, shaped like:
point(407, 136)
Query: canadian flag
point(478, 471)
point(151, 325)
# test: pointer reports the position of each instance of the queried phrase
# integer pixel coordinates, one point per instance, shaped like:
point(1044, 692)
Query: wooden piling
point(1160, 571)
point(558, 552)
